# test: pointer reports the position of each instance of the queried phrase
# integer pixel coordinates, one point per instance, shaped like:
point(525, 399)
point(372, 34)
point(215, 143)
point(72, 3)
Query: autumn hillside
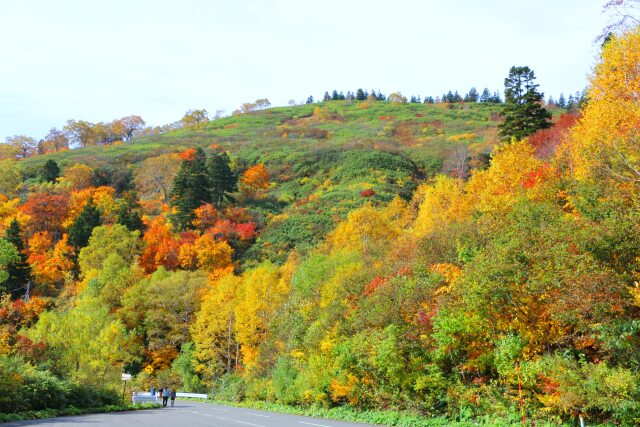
point(320, 157)
point(455, 263)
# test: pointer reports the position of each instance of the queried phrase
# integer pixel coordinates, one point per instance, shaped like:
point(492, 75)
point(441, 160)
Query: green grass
point(52, 413)
point(387, 418)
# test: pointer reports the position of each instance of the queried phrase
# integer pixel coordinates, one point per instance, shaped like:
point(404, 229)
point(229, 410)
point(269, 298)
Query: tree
point(18, 270)
point(8, 255)
point(486, 95)
point(263, 103)
point(25, 146)
point(78, 176)
point(81, 132)
point(326, 97)
point(125, 127)
point(360, 96)
point(47, 213)
point(80, 231)
point(524, 113)
point(105, 241)
point(190, 190)
point(50, 171)
point(155, 175)
point(195, 118)
point(397, 98)
point(562, 102)
point(221, 178)
point(310, 99)
point(56, 140)
point(129, 213)
point(255, 178)
point(472, 96)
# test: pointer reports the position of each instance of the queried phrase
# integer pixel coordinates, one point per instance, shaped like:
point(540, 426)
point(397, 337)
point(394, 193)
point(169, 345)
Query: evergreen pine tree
point(335, 96)
point(50, 171)
point(19, 271)
point(221, 177)
point(486, 95)
point(524, 113)
point(472, 96)
point(83, 226)
point(190, 190)
point(129, 213)
point(326, 97)
point(341, 96)
point(310, 99)
point(360, 96)
point(562, 102)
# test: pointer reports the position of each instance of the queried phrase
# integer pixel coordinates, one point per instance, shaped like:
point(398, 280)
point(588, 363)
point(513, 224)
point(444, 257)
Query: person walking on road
point(165, 396)
point(173, 396)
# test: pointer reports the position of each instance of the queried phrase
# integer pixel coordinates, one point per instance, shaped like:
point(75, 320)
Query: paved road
point(190, 414)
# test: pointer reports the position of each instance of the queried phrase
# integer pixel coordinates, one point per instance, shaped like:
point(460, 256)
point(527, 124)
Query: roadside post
point(125, 378)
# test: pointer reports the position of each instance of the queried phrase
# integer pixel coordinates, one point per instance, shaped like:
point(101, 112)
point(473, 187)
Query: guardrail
point(146, 397)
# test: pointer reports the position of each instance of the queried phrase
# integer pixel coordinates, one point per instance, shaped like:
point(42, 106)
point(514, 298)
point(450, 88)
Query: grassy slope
point(320, 167)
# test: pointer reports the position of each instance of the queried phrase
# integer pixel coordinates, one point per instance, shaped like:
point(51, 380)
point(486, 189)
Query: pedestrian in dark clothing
point(165, 396)
point(173, 396)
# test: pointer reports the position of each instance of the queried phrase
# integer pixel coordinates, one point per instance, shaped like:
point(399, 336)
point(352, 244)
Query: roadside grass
point(71, 410)
point(387, 418)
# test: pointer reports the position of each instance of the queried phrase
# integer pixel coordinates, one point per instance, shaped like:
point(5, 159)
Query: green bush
point(25, 388)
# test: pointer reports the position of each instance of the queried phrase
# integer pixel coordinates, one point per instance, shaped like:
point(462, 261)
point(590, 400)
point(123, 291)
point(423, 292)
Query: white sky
point(100, 60)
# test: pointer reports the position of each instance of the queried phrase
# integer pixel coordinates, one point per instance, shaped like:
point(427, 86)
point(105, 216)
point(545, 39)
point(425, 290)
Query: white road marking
point(195, 412)
point(221, 418)
point(257, 415)
point(249, 424)
point(313, 424)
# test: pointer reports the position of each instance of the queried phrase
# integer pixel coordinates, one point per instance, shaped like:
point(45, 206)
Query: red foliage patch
point(372, 286)
point(545, 141)
point(367, 193)
point(188, 154)
point(419, 115)
point(387, 118)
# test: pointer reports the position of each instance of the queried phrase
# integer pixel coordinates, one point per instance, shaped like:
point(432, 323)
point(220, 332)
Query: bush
point(230, 388)
point(25, 388)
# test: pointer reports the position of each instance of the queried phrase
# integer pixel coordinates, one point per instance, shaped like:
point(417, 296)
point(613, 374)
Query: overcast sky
point(100, 60)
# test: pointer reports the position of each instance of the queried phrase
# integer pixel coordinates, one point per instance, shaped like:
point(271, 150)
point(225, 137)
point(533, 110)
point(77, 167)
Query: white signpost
point(125, 378)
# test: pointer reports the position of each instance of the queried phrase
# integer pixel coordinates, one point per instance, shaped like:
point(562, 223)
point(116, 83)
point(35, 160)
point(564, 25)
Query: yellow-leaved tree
point(605, 143)
point(260, 296)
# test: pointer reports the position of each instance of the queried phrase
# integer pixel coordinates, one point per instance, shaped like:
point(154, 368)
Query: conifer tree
point(360, 95)
point(326, 97)
point(221, 177)
point(486, 95)
point(190, 189)
point(129, 213)
point(335, 96)
point(19, 271)
point(524, 113)
point(80, 231)
point(472, 96)
point(50, 171)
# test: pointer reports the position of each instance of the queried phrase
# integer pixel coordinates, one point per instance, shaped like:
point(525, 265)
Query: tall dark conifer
point(222, 179)
point(50, 171)
point(190, 190)
point(80, 231)
point(129, 213)
point(524, 113)
point(19, 271)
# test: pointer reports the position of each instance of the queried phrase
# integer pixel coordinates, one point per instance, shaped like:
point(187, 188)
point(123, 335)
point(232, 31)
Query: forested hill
point(323, 159)
point(367, 255)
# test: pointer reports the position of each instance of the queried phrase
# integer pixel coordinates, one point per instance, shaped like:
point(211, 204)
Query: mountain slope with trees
point(365, 253)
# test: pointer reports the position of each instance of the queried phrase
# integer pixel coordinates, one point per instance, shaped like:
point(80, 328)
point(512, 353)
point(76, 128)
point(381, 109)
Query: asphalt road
point(190, 414)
